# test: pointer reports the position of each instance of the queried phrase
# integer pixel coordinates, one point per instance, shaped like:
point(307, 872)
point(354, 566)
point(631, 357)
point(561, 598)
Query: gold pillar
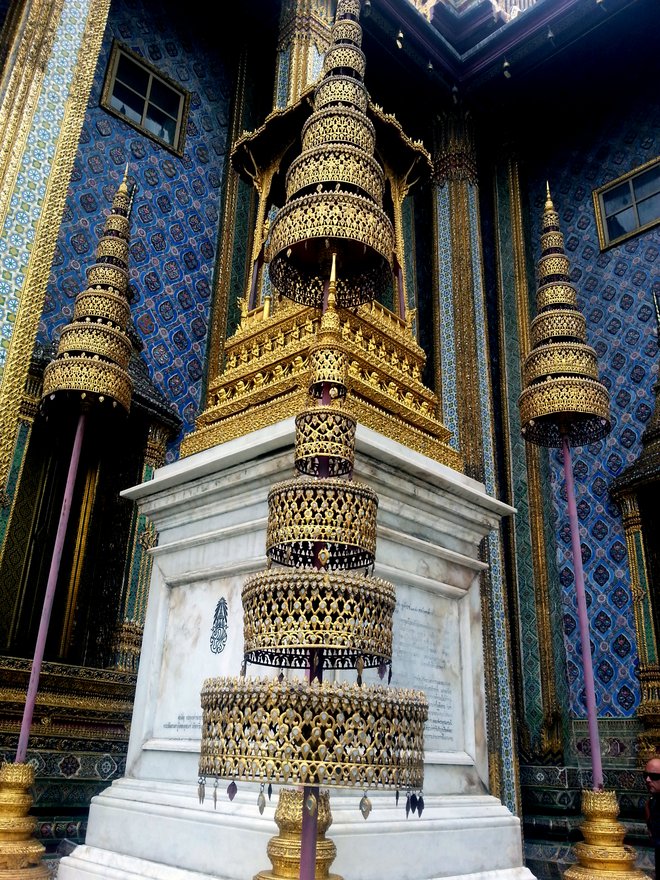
point(455, 168)
point(20, 852)
point(647, 650)
point(284, 848)
point(127, 637)
point(304, 27)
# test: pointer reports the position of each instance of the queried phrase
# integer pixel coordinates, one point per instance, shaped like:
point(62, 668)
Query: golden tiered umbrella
point(564, 404)
point(90, 371)
point(317, 605)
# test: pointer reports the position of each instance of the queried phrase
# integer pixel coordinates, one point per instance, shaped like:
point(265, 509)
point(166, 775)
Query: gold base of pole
point(284, 848)
point(603, 853)
point(20, 852)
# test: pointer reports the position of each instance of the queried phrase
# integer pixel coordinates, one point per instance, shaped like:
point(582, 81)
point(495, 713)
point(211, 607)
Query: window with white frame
point(147, 99)
point(629, 204)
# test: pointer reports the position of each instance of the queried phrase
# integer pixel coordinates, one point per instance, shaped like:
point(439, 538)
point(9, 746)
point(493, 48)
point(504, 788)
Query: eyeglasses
point(652, 776)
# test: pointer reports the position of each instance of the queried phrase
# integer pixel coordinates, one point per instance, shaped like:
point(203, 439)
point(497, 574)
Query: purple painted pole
point(33, 685)
point(583, 621)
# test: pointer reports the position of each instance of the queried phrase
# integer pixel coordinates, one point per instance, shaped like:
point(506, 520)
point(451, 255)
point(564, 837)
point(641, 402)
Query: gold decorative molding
point(36, 277)
point(267, 372)
point(305, 25)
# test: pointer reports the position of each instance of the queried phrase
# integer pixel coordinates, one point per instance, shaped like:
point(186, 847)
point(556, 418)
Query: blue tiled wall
point(176, 208)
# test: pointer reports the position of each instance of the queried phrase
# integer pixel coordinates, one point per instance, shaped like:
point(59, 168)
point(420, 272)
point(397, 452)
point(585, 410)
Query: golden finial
point(332, 287)
point(548, 198)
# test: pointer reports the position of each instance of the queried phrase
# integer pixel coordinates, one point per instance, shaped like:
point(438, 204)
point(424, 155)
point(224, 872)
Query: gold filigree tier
point(560, 359)
point(284, 849)
point(313, 733)
point(556, 295)
point(94, 349)
point(562, 396)
point(331, 521)
point(347, 616)
point(325, 439)
point(308, 229)
point(578, 407)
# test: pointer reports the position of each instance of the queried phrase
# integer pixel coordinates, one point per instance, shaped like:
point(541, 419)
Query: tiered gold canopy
point(563, 394)
point(94, 349)
point(317, 605)
point(335, 187)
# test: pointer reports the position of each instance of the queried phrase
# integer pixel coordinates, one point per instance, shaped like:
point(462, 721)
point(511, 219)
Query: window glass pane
point(621, 223)
point(649, 209)
point(647, 183)
point(159, 124)
point(616, 199)
point(165, 98)
point(131, 74)
point(127, 102)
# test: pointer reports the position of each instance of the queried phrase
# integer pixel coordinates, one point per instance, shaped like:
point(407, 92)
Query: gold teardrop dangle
point(365, 806)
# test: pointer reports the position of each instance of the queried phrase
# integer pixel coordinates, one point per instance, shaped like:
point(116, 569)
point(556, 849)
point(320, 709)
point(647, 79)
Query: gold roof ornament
point(318, 606)
point(94, 349)
point(335, 188)
point(562, 395)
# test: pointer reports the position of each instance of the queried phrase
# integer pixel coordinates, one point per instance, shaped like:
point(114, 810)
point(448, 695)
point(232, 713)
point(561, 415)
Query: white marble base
point(142, 829)
point(210, 511)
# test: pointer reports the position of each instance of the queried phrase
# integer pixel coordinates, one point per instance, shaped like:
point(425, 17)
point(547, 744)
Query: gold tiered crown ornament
point(563, 394)
point(335, 188)
point(318, 606)
point(94, 349)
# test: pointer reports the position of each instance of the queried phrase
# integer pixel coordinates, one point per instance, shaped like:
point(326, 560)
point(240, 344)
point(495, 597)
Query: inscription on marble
point(426, 657)
point(184, 724)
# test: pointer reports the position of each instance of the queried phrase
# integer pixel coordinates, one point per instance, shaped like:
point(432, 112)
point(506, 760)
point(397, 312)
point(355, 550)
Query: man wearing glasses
point(652, 807)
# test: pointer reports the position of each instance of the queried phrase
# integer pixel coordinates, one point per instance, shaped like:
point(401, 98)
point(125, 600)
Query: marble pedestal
point(210, 511)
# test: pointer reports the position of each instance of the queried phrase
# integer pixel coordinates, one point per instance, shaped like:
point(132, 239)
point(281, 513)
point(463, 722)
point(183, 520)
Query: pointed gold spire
point(94, 349)
point(562, 392)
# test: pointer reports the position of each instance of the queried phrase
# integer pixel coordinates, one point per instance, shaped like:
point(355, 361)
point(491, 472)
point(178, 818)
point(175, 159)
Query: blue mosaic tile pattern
point(26, 202)
point(283, 65)
point(497, 597)
point(445, 293)
point(175, 212)
point(615, 295)
point(531, 698)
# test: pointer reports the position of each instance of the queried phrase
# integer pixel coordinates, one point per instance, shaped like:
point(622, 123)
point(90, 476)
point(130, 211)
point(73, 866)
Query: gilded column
point(465, 380)
point(303, 40)
point(127, 641)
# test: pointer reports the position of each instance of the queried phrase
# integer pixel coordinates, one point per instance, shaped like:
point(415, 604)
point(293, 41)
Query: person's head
point(652, 775)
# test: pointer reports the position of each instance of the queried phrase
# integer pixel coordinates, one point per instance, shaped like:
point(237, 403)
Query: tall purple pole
point(33, 685)
point(583, 620)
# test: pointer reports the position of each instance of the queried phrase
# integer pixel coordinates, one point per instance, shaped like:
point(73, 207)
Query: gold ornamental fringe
point(20, 852)
point(602, 853)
